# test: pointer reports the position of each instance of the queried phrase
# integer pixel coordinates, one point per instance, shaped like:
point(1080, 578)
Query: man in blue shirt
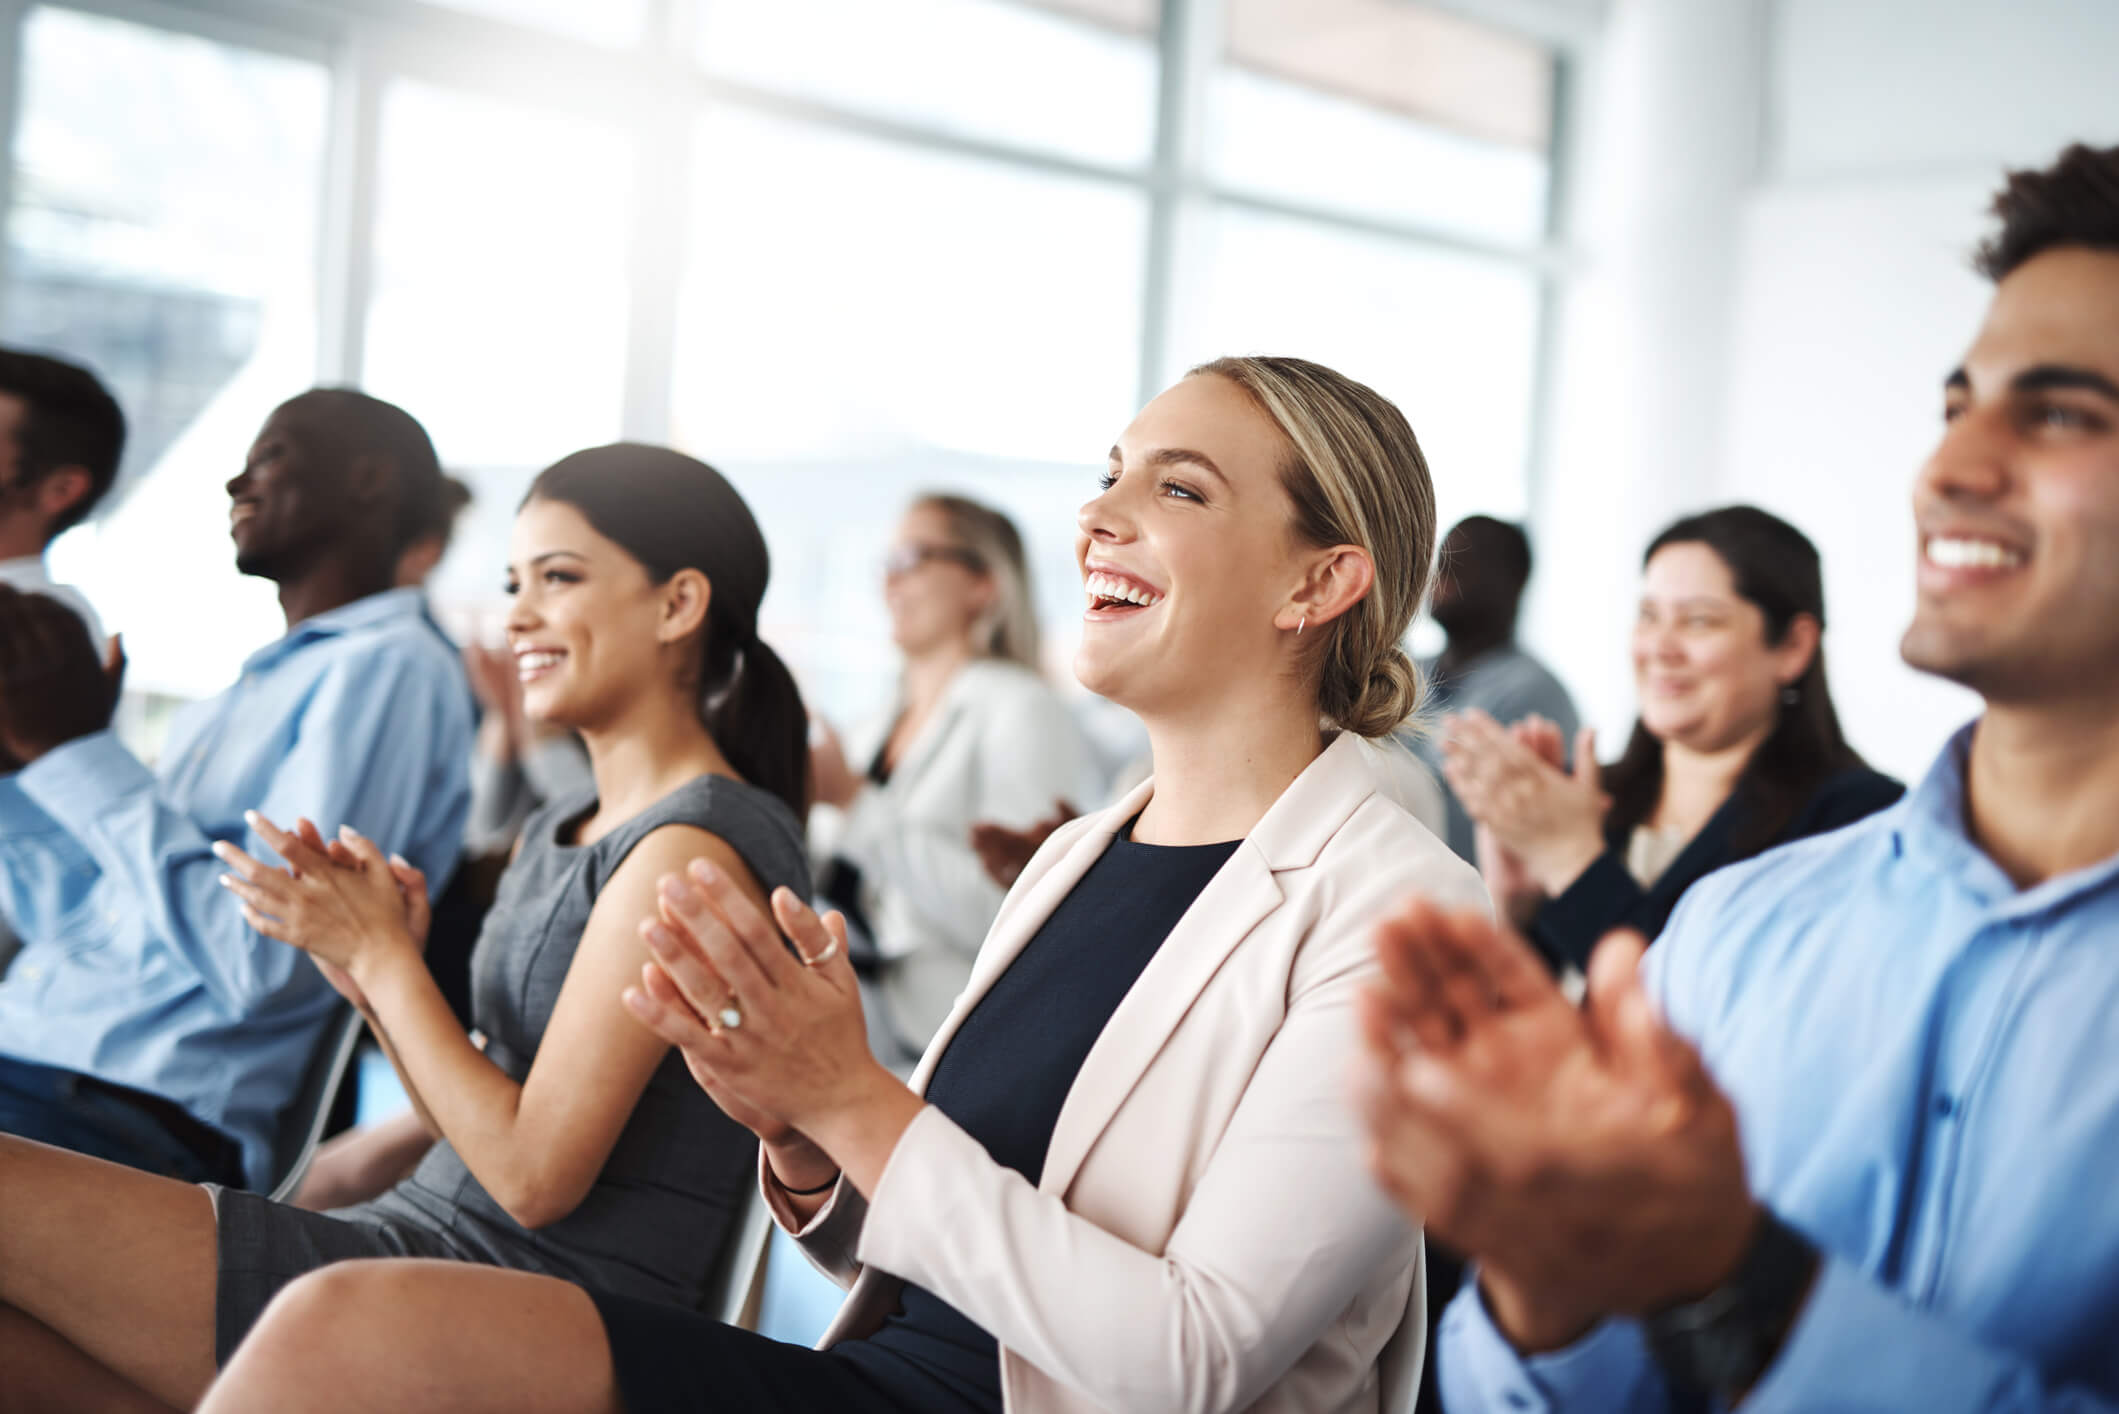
point(144, 1022)
point(1846, 1140)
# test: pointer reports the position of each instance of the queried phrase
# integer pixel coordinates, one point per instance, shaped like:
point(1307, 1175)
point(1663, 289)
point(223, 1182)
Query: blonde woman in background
point(976, 733)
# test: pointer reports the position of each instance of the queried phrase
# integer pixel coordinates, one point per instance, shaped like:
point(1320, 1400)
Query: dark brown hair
point(2074, 202)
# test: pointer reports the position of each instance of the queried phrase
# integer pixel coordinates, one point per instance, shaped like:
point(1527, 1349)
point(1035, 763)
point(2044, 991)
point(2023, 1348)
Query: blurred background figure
point(61, 435)
point(974, 734)
point(1737, 748)
point(1484, 568)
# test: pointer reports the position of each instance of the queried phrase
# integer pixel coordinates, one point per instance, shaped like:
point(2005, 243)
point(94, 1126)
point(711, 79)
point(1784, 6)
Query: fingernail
point(637, 1001)
point(227, 881)
point(703, 871)
point(680, 893)
point(661, 939)
point(223, 849)
point(252, 818)
point(346, 833)
point(400, 861)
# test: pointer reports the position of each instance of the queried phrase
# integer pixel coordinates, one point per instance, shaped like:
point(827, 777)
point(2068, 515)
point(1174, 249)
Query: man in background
point(61, 434)
point(1485, 566)
point(144, 1021)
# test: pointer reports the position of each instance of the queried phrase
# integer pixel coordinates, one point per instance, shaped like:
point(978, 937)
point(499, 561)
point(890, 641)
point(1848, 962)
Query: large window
point(843, 249)
point(163, 230)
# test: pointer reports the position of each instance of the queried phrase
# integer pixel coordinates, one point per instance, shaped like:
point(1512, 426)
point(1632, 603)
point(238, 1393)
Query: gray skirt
point(264, 1245)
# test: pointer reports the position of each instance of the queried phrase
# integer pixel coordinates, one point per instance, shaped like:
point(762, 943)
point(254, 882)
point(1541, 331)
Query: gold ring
point(823, 957)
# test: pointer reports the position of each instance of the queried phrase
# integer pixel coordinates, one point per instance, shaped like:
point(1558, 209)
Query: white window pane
point(603, 21)
point(499, 312)
point(862, 321)
point(997, 69)
point(1451, 339)
point(164, 232)
point(1382, 108)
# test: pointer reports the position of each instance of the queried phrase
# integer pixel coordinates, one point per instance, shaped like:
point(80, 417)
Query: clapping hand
point(1004, 852)
point(1549, 819)
point(54, 686)
point(343, 903)
point(1583, 1155)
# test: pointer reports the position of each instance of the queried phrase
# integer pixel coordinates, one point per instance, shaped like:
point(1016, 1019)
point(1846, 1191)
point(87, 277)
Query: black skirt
point(672, 1361)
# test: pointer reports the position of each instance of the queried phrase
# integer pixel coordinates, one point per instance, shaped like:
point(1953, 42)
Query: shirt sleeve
point(1604, 896)
point(1607, 1370)
point(363, 754)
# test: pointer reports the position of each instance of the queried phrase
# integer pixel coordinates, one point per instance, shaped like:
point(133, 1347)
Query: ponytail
point(755, 712)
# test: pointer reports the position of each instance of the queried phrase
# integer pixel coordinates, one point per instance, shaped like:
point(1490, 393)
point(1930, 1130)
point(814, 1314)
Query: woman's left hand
point(781, 1033)
point(1550, 819)
point(347, 907)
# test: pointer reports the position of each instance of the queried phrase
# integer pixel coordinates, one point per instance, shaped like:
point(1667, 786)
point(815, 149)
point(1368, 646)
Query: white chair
point(302, 1122)
point(738, 1279)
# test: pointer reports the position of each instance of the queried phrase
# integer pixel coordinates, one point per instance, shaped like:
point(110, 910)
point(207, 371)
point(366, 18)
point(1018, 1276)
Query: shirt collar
point(374, 611)
point(1931, 825)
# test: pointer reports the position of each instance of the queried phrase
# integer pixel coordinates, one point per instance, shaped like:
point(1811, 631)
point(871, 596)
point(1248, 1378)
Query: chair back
point(738, 1279)
point(302, 1122)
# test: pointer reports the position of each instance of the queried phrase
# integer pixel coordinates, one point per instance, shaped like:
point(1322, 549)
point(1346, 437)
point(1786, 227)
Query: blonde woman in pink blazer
point(1124, 1176)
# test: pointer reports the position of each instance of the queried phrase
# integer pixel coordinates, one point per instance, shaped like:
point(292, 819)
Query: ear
point(1337, 580)
point(62, 490)
point(418, 561)
point(1797, 649)
point(685, 599)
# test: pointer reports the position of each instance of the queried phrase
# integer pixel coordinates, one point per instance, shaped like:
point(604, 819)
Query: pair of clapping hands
point(772, 1032)
point(1540, 823)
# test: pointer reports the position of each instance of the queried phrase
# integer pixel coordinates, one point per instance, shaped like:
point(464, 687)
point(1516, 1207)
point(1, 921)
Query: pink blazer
point(1204, 1235)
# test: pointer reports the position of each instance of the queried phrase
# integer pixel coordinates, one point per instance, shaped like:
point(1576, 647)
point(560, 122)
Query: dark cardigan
point(1604, 896)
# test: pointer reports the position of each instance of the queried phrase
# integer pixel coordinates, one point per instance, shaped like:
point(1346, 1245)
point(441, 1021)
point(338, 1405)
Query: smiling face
point(1706, 677)
point(291, 500)
point(589, 632)
point(934, 587)
point(1189, 553)
point(2018, 508)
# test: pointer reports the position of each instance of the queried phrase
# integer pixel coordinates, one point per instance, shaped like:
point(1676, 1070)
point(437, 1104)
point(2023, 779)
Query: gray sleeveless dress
point(655, 1219)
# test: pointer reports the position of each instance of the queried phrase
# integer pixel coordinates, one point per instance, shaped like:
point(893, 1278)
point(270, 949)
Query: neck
point(1695, 782)
point(927, 675)
point(20, 539)
point(654, 745)
point(332, 584)
point(1470, 642)
point(1219, 770)
point(2039, 787)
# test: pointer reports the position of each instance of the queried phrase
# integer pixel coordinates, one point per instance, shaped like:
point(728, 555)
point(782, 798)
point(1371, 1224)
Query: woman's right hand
point(1551, 819)
point(796, 1162)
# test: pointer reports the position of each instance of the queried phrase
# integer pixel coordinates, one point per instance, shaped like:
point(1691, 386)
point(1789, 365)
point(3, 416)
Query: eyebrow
point(2045, 377)
point(1174, 456)
point(536, 560)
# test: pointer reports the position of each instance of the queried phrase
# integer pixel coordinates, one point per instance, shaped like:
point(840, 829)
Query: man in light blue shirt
point(144, 1021)
point(1846, 1140)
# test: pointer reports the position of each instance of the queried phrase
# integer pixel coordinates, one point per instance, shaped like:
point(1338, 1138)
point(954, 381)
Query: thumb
point(1587, 772)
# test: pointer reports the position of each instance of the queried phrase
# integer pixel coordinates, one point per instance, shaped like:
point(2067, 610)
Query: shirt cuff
point(1479, 1370)
point(77, 783)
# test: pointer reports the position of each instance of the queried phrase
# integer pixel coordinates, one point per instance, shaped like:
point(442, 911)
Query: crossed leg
point(106, 1283)
point(411, 1335)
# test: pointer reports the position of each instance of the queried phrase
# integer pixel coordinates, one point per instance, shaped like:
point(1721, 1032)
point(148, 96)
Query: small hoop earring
point(1790, 696)
point(1302, 625)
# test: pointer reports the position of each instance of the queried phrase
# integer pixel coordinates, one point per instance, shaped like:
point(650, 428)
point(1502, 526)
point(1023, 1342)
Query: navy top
point(1604, 896)
point(1008, 1070)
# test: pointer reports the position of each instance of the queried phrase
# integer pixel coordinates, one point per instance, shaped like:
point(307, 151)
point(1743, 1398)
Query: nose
point(1972, 461)
point(237, 483)
point(1104, 518)
point(522, 615)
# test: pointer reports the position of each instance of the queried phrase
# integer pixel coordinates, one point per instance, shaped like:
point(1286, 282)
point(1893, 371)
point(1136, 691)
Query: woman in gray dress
point(572, 1143)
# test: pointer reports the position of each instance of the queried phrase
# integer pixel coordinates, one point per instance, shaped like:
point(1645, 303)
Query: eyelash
point(1106, 480)
point(514, 587)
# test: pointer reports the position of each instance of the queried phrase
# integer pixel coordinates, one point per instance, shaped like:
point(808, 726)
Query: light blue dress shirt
point(1924, 1061)
point(136, 965)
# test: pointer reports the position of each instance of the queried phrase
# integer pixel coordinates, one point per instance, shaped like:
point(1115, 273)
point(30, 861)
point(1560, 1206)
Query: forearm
point(420, 1112)
point(464, 1097)
point(859, 1134)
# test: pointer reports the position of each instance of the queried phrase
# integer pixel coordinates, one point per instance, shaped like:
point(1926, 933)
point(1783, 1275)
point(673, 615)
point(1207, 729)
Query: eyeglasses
point(904, 559)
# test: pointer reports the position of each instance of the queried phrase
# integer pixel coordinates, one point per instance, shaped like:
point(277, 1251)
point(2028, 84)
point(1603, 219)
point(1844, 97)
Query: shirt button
point(1945, 1106)
point(1517, 1399)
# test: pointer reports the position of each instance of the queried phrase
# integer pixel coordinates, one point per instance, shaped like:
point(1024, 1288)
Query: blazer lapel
point(1239, 895)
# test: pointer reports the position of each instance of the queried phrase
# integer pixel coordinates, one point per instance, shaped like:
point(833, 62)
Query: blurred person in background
point(573, 1141)
point(975, 734)
point(61, 434)
point(1479, 582)
point(145, 1021)
point(1843, 1138)
point(1126, 1176)
point(1737, 749)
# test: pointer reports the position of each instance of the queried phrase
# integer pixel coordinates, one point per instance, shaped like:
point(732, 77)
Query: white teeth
point(529, 664)
point(1955, 553)
point(1103, 586)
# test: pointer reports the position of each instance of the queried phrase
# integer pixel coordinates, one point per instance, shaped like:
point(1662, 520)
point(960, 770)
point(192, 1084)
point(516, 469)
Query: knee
point(310, 1321)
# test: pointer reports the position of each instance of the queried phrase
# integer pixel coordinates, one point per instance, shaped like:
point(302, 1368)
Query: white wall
point(1845, 297)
